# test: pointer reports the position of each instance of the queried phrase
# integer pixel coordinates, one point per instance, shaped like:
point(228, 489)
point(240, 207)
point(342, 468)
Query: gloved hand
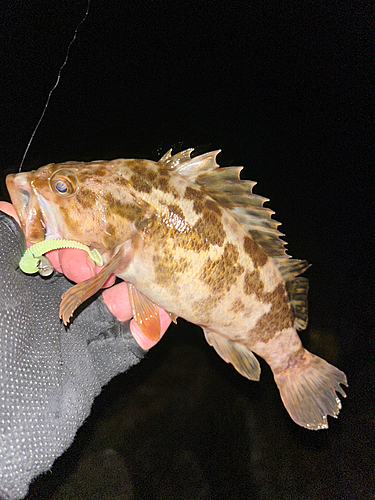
point(49, 374)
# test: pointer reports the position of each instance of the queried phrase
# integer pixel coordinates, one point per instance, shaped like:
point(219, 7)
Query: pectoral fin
point(76, 295)
point(145, 313)
point(241, 358)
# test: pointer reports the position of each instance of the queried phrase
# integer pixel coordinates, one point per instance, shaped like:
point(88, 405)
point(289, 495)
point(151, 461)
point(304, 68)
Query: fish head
point(88, 202)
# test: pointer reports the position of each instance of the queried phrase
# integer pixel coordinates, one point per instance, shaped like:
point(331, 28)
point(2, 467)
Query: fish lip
point(37, 222)
point(19, 190)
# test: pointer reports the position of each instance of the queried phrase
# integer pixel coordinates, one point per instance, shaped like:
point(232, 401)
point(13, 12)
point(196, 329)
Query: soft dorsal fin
point(290, 268)
point(224, 185)
point(297, 291)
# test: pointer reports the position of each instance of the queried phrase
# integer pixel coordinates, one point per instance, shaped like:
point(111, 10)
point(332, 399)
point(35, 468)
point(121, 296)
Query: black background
point(283, 88)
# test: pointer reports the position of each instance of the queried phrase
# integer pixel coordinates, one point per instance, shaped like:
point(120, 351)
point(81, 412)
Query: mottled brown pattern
point(193, 194)
point(167, 267)
point(253, 284)
point(200, 201)
point(197, 197)
point(258, 256)
point(204, 308)
point(188, 240)
point(198, 206)
point(113, 203)
point(85, 176)
point(86, 198)
point(140, 184)
point(222, 273)
point(191, 240)
point(164, 185)
point(210, 227)
point(140, 168)
point(150, 175)
point(100, 171)
point(213, 206)
point(175, 209)
point(280, 315)
point(144, 179)
point(128, 211)
point(112, 236)
point(92, 173)
point(122, 182)
point(238, 306)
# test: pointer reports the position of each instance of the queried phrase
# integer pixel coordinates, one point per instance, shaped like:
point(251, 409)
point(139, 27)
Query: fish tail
point(308, 390)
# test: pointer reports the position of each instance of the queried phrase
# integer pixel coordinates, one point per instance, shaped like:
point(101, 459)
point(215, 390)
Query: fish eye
point(61, 187)
point(63, 183)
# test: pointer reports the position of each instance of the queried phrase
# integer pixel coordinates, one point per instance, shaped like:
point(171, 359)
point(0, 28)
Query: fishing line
point(56, 83)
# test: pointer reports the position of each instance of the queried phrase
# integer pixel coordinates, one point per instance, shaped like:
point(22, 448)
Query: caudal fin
point(308, 391)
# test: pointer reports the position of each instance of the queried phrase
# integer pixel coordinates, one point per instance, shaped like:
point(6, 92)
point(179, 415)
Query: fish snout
point(26, 206)
point(18, 186)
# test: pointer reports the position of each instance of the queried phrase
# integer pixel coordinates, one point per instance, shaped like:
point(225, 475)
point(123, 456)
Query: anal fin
point(240, 356)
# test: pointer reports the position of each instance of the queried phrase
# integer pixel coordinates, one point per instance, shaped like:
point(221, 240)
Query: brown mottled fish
point(194, 239)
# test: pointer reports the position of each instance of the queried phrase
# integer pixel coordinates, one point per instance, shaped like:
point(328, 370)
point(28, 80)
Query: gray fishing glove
point(49, 375)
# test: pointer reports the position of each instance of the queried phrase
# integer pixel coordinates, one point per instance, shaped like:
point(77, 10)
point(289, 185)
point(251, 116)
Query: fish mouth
point(18, 186)
point(36, 221)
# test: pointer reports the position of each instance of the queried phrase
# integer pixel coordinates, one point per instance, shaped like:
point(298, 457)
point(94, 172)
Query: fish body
point(192, 238)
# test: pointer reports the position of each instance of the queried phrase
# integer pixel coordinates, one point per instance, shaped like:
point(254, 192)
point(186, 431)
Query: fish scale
point(191, 237)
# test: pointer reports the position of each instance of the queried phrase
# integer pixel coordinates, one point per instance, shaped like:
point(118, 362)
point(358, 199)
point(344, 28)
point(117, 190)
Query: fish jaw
point(37, 221)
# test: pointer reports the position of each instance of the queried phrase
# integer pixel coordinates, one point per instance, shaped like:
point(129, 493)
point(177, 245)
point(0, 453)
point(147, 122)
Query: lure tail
point(32, 260)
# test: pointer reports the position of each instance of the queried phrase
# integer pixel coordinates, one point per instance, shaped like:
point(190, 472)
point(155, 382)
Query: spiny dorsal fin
point(224, 185)
point(236, 195)
point(187, 166)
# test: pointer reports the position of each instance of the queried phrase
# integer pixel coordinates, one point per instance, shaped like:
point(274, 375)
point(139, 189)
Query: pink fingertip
point(76, 265)
point(117, 301)
point(9, 209)
point(54, 257)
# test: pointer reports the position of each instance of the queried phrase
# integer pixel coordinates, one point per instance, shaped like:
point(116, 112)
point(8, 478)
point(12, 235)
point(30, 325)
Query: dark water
point(184, 425)
point(284, 89)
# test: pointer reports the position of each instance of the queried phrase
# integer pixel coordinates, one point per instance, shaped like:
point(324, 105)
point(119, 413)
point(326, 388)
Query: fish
point(191, 237)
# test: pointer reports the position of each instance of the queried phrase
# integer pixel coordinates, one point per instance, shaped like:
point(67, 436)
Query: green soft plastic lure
point(33, 260)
